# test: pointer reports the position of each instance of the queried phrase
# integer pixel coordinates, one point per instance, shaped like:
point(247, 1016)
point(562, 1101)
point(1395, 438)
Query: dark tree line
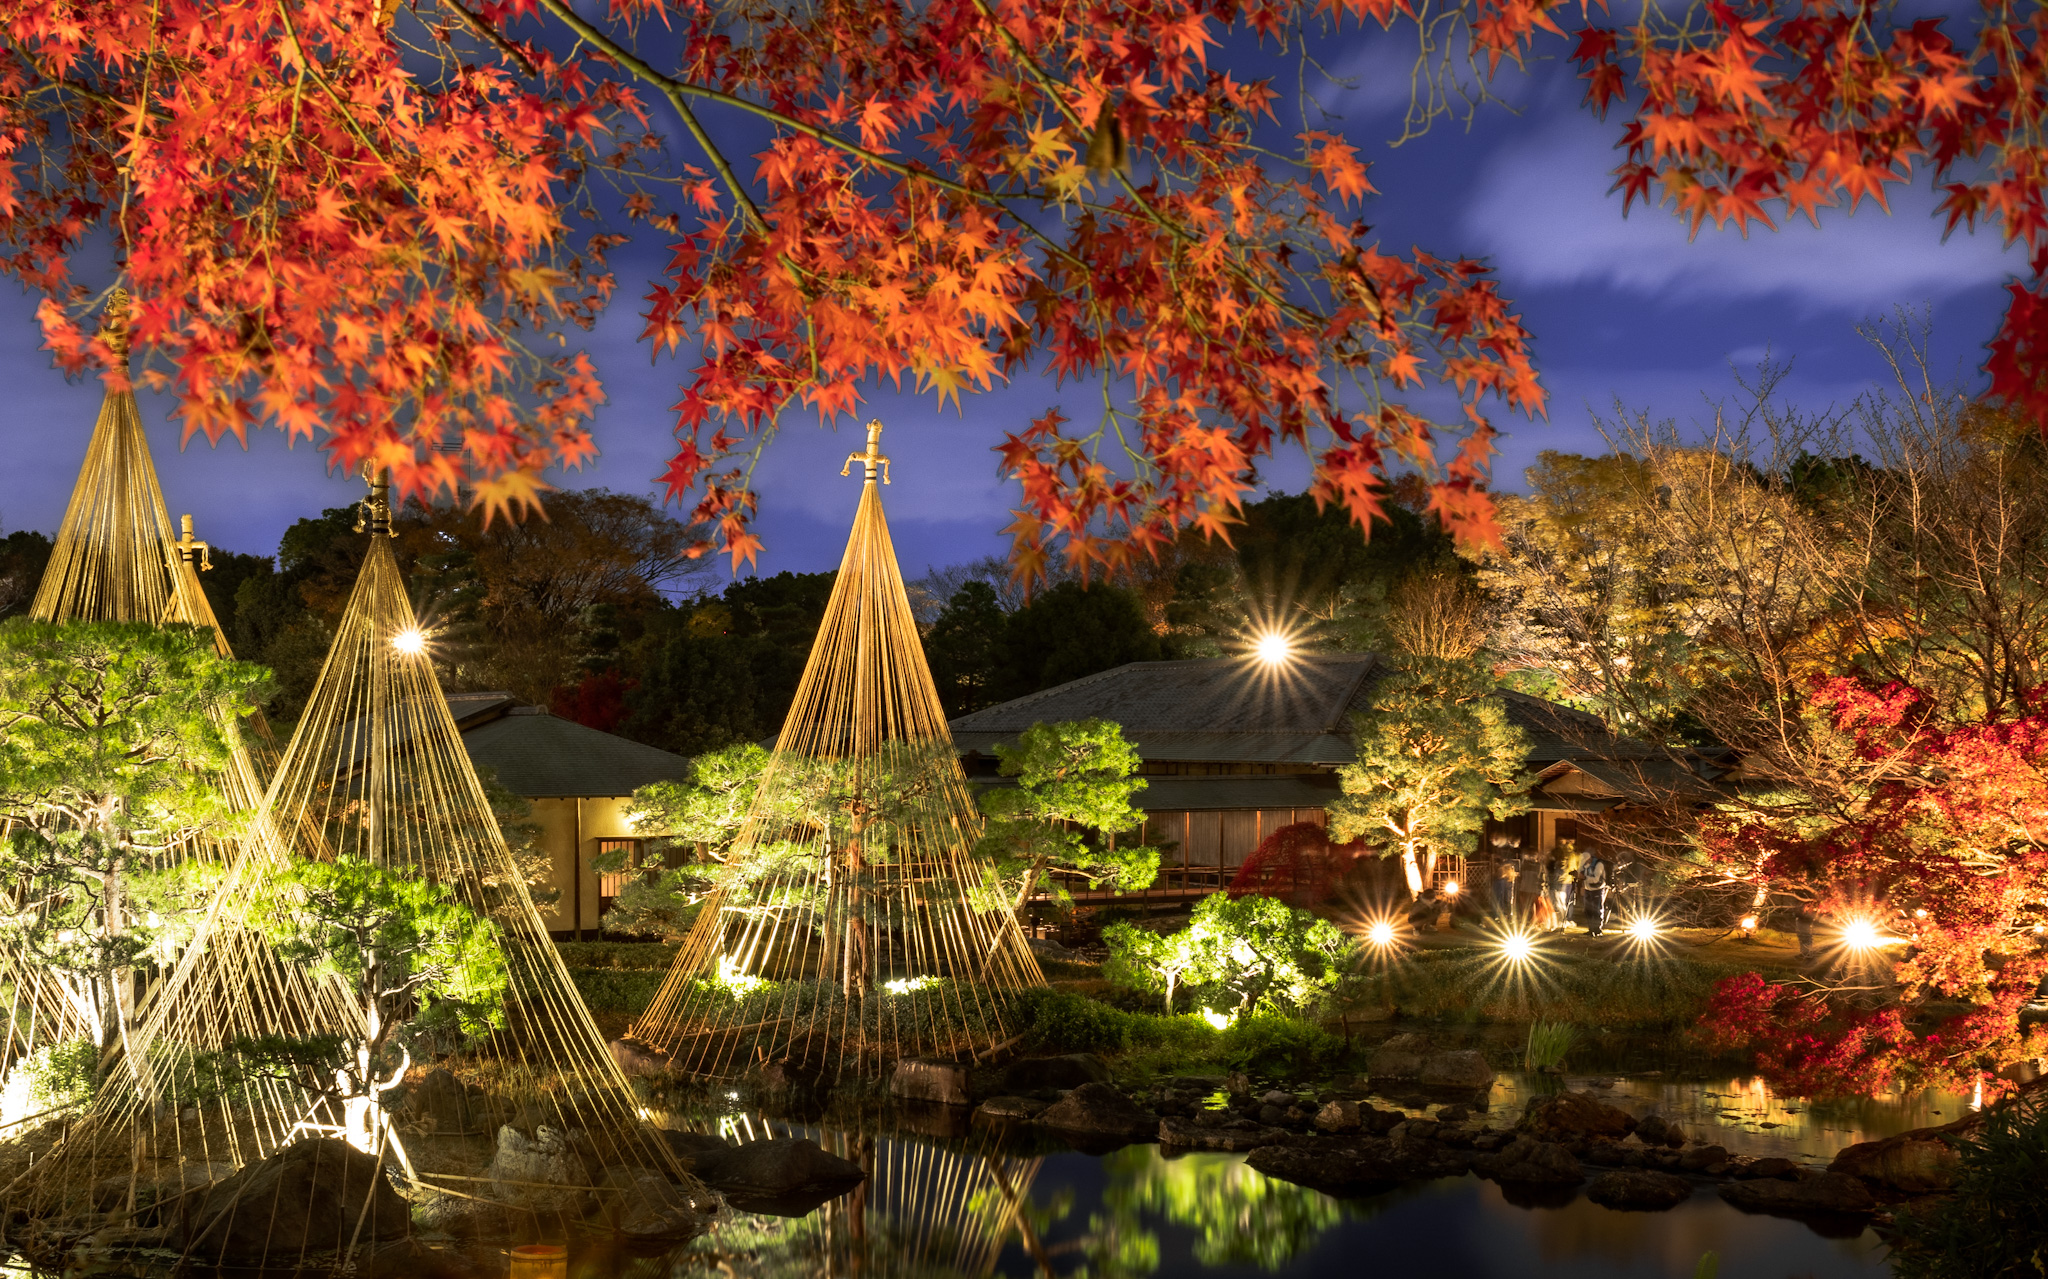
point(596, 613)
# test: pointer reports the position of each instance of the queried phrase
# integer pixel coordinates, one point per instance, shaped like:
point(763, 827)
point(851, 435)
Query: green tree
point(1240, 1216)
point(1071, 801)
point(1437, 756)
point(964, 648)
point(112, 739)
point(1245, 955)
point(421, 967)
point(690, 824)
point(1073, 630)
point(24, 554)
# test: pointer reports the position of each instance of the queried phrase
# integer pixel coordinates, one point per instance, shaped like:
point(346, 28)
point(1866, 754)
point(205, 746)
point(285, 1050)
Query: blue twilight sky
point(1620, 309)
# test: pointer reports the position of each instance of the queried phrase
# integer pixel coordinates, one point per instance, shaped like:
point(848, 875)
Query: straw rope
point(849, 928)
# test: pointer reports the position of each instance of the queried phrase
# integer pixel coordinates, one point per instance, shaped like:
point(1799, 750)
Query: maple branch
point(672, 89)
point(492, 34)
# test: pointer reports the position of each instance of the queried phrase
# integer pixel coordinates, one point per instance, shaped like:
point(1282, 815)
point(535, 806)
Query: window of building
point(609, 886)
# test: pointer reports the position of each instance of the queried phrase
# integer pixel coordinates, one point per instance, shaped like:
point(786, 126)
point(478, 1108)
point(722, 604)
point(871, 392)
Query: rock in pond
point(1338, 1116)
point(1462, 1069)
point(1232, 1135)
point(779, 1167)
point(640, 1203)
point(921, 1079)
point(1400, 1057)
point(539, 1168)
point(1528, 1161)
point(1099, 1110)
point(1358, 1165)
point(636, 1058)
point(1038, 1074)
point(1918, 1162)
point(313, 1196)
point(445, 1103)
point(1656, 1130)
point(1575, 1114)
point(1824, 1192)
point(692, 1148)
point(1008, 1109)
point(1639, 1189)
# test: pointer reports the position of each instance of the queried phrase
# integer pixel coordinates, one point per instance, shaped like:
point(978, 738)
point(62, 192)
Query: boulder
point(460, 1216)
point(783, 1167)
point(920, 1079)
point(1639, 1190)
point(539, 1168)
point(640, 1203)
point(1454, 1114)
point(1008, 1109)
point(1527, 1161)
point(1782, 1169)
point(1099, 1110)
point(1275, 1097)
point(1463, 1069)
point(1400, 1057)
point(1822, 1193)
point(1038, 1074)
point(1704, 1159)
point(636, 1058)
point(1911, 1163)
point(1651, 1130)
point(1356, 1166)
point(1575, 1114)
point(315, 1195)
point(1338, 1116)
point(1183, 1134)
point(444, 1102)
point(691, 1148)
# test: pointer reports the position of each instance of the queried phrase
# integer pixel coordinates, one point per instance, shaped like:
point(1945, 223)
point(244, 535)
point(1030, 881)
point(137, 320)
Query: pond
point(945, 1198)
point(989, 1204)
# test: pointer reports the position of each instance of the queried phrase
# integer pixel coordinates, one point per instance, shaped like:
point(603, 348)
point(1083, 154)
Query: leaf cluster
point(1074, 781)
point(1245, 955)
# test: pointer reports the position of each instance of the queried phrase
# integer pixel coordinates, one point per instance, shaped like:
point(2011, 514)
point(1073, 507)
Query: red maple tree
point(379, 220)
point(1298, 864)
point(1944, 856)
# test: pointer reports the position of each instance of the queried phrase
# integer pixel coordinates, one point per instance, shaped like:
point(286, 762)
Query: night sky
point(1619, 309)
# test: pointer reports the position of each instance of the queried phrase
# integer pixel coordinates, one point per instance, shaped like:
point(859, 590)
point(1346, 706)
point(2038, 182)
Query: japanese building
point(580, 782)
point(1234, 749)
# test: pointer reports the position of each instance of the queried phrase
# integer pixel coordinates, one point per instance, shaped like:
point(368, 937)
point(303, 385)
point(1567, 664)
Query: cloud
point(1543, 210)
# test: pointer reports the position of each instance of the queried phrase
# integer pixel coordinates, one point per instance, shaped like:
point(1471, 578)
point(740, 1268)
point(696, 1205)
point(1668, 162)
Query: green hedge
point(614, 990)
point(632, 956)
point(1067, 1021)
point(1471, 985)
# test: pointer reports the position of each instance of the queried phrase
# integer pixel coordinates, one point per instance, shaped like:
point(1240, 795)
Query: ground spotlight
point(1450, 888)
point(1381, 934)
point(1518, 946)
point(1859, 933)
point(1642, 929)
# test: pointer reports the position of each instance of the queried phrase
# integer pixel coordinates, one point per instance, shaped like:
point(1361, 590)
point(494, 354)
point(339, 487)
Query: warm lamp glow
point(1861, 934)
point(1273, 648)
point(1450, 888)
point(1749, 923)
point(1219, 1021)
point(1380, 934)
point(1517, 947)
point(409, 642)
point(1642, 928)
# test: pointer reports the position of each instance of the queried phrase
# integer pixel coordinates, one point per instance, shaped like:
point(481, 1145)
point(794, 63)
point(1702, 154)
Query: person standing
point(1504, 874)
point(1594, 883)
point(1554, 888)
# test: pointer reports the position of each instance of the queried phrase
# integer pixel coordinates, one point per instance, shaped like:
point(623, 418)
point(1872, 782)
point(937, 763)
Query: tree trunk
point(1024, 892)
point(1411, 870)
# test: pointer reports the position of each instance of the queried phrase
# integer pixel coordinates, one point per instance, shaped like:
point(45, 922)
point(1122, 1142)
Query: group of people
point(1547, 891)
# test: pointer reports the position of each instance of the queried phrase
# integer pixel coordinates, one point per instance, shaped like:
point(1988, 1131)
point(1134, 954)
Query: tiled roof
point(1206, 708)
point(542, 756)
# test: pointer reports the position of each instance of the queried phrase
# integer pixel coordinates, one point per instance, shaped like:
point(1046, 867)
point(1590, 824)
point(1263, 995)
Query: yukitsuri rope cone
point(117, 560)
point(258, 1048)
point(851, 926)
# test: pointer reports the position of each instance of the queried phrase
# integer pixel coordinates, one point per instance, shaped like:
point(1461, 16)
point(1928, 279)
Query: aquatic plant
point(1550, 1042)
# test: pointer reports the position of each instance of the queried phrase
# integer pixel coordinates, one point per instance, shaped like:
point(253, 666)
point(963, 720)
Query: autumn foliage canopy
point(1948, 854)
point(378, 222)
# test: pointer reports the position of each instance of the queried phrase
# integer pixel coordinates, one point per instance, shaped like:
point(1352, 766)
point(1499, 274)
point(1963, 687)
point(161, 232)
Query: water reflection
point(981, 1206)
point(1744, 1115)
